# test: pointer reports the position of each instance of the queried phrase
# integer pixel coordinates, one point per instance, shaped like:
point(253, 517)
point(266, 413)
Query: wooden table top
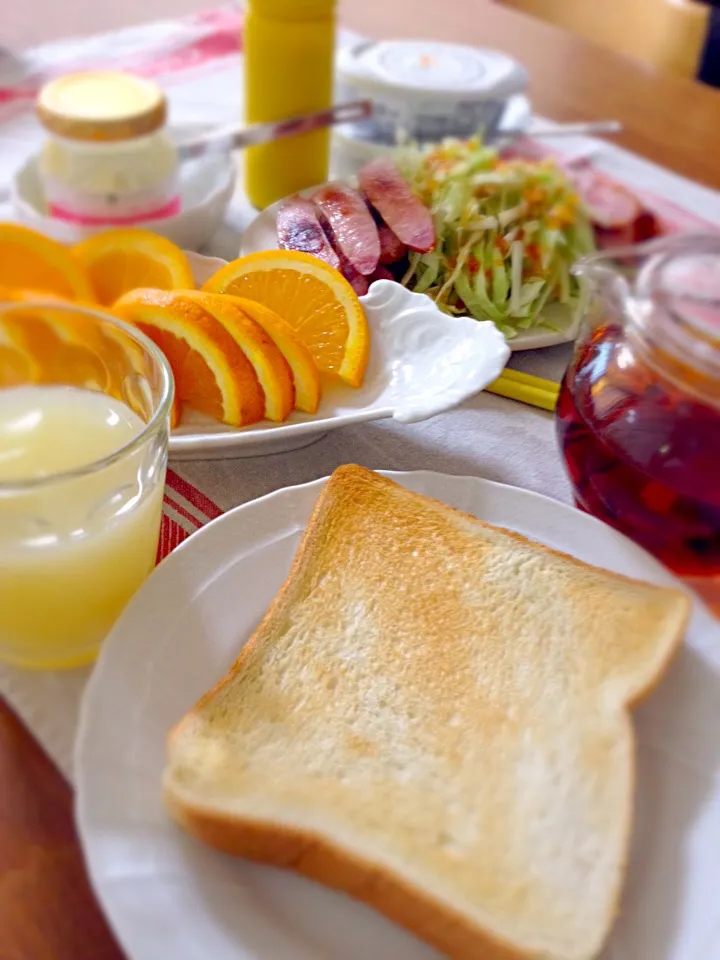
point(48, 911)
point(674, 122)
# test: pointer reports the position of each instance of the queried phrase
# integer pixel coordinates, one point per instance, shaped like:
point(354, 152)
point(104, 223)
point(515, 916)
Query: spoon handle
point(225, 139)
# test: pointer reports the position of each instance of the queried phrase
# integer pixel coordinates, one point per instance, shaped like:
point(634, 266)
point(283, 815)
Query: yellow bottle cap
point(293, 10)
point(101, 105)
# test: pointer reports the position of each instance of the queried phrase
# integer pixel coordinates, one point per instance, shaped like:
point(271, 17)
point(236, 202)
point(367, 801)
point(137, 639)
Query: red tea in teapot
point(643, 453)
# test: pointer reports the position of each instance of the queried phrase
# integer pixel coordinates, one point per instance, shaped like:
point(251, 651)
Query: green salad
point(508, 232)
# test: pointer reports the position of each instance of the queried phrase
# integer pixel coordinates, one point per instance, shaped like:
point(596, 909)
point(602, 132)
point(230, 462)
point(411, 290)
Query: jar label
point(112, 209)
point(170, 209)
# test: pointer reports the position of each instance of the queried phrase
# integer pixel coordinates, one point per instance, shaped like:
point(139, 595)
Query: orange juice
point(73, 547)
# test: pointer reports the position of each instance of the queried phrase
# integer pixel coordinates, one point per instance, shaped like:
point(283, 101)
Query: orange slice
point(310, 295)
point(118, 261)
point(41, 345)
point(22, 295)
point(33, 262)
point(175, 410)
point(61, 345)
point(271, 368)
point(129, 371)
point(306, 376)
point(212, 374)
point(16, 366)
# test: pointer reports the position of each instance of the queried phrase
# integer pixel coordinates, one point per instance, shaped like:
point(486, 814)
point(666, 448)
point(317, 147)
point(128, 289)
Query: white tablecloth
point(489, 437)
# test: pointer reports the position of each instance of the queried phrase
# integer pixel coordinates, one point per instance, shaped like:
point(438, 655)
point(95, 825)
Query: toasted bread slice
point(433, 717)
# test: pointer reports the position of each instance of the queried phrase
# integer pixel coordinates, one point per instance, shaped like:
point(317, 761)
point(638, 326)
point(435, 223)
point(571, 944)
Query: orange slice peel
point(313, 298)
point(129, 258)
point(62, 345)
point(212, 374)
point(270, 366)
point(305, 373)
point(32, 262)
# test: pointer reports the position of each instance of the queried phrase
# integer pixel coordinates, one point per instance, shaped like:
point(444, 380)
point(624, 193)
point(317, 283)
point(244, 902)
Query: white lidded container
point(107, 160)
point(425, 91)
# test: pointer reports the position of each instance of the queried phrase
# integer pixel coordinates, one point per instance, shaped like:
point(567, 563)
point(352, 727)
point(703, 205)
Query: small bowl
point(427, 89)
point(206, 187)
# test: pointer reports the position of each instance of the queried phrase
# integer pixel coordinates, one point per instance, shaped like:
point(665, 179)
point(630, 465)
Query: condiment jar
point(639, 412)
point(107, 160)
point(288, 59)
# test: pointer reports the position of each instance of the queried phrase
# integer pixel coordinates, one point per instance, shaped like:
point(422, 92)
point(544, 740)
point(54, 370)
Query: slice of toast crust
point(316, 856)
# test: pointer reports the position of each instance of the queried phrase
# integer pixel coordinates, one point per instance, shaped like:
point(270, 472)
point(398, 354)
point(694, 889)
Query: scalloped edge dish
point(421, 364)
point(261, 235)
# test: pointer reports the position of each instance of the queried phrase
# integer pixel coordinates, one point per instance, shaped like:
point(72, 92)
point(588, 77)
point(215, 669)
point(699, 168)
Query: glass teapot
point(638, 417)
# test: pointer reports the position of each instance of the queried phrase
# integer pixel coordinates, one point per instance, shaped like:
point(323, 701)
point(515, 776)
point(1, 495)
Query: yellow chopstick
point(526, 388)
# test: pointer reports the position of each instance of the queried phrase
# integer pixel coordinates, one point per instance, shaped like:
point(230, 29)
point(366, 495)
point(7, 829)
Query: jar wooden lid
point(101, 106)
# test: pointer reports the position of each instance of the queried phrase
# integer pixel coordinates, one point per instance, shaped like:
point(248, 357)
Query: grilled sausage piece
point(401, 210)
point(351, 225)
point(298, 228)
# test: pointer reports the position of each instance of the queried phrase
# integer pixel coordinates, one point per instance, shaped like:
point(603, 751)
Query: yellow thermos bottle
point(288, 48)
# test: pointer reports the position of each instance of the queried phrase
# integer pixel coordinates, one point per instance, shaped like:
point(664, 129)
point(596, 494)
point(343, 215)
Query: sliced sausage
point(609, 239)
point(609, 205)
point(401, 210)
point(645, 227)
point(357, 281)
point(352, 227)
point(298, 228)
point(382, 273)
point(392, 248)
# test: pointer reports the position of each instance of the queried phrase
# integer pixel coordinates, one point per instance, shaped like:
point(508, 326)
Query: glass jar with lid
point(107, 160)
point(639, 411)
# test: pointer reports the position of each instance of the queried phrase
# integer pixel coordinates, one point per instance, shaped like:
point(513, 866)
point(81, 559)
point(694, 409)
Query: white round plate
point(420, 365)
point(168, 896)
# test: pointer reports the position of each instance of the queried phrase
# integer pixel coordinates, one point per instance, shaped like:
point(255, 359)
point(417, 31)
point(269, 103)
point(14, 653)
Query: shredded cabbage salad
point(508, 232)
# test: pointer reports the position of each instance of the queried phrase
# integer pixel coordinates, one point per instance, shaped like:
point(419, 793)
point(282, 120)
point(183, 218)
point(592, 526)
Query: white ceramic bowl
point(206, 186)
point(429, 89)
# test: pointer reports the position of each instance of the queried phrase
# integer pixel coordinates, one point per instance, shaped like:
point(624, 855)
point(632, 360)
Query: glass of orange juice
point(85, 404)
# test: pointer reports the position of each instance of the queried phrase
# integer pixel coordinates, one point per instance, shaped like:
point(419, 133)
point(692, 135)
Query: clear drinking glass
point(85, 406)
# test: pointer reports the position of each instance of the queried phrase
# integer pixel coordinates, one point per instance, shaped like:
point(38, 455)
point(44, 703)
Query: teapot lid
point(685, 283)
